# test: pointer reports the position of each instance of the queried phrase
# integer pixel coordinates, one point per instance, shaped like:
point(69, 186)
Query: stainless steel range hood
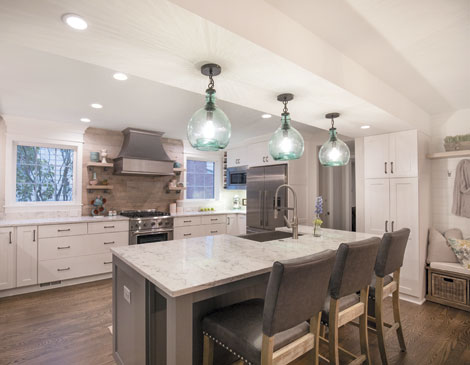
point(142, 153)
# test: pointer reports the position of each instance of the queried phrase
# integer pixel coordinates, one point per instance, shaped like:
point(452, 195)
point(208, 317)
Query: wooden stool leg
point(333, 332)
point(379, 321)
point(267, 348)
point(208, 353)
point(363, 335)
point(396, 311)
point(315, 330)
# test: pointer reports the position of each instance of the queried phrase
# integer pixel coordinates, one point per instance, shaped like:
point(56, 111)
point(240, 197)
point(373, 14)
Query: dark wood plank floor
point(69, 326)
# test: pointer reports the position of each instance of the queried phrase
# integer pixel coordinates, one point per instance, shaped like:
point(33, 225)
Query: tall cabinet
point(397, 195)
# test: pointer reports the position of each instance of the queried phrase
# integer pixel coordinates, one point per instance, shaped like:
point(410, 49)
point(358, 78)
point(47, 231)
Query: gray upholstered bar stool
point(389, 260)
point(353, 268)
point(276, 329)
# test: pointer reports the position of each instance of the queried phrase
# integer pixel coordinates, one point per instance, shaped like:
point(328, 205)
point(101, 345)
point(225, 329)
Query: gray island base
point(162, 290)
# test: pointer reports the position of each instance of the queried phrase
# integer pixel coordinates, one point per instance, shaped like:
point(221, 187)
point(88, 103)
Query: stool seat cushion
point(387, 280)
point(344, 303)
point(239, 328)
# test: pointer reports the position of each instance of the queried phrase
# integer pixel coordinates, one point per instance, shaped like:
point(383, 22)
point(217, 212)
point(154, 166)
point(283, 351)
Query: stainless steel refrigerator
point(261, 185)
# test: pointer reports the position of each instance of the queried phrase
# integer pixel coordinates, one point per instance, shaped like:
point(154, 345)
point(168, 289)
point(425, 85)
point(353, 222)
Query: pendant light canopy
point(209, 129)
point(286, 143)
point(334, 152)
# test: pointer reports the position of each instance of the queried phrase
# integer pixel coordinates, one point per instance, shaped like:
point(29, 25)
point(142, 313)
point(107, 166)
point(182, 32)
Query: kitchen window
point(200, 179)
point(44, 174)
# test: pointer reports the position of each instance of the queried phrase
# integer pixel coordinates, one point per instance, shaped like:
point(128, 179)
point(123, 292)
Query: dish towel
point(461, 203)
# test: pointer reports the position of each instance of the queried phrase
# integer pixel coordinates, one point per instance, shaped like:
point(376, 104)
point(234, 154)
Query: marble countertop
point(193, 214)
point(58, 220)
point(185, 266)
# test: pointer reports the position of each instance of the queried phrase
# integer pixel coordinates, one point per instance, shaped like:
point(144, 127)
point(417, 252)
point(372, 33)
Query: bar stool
point(275, 329)
point(389, 260)
point(353, 268)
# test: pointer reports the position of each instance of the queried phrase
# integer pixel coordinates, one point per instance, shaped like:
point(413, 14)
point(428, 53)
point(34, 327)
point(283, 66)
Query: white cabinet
point(237, 157)
point(232, 224)
point(391, 155)
point(214, 229)
point(187, 232)
point(26, 256)
point(241, 223)
point(7, 258)
point(256, 154)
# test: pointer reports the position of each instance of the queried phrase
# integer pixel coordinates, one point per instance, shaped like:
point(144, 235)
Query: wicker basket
point(449, 288)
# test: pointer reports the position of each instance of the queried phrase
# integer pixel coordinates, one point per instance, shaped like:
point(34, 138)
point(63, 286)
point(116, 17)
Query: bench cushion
point(438, 249)
point(451, 267)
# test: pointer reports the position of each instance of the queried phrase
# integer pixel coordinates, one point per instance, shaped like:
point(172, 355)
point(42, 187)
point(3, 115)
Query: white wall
point(443, 172)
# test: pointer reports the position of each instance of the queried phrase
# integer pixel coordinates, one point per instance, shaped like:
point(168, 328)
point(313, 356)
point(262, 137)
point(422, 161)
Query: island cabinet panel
point(26, 256)
point(62, 230)
point(7, 258)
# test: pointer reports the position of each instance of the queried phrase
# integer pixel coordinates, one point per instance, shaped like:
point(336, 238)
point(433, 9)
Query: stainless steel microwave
point(236, 177)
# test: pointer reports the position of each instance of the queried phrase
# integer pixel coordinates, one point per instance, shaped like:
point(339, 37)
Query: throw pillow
point(461, 249)
point(438, 249)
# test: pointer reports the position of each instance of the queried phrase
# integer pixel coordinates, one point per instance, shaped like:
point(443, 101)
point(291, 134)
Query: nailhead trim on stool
point(226, 347)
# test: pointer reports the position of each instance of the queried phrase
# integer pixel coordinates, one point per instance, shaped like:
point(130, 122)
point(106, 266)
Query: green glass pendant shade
point(286, 143)
point(209, 129)
point(334, 152)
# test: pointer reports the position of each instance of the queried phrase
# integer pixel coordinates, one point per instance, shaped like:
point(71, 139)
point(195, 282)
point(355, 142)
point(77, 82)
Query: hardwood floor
point(69, 326)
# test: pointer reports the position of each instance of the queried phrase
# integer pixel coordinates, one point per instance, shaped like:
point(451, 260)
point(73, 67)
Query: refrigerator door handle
point(261, 211)
point(265, 207)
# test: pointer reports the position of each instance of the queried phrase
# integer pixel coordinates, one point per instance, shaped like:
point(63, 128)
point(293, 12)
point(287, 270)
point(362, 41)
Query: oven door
point(148, 236)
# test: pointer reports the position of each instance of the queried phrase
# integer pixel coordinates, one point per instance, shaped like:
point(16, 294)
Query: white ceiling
point(55, 71)
point(45, 86)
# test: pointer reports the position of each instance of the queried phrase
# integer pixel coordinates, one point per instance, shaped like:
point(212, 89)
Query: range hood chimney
point(142, 153)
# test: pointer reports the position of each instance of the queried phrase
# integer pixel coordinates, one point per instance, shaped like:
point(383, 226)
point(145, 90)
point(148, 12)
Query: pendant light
point(286, 143)
point(334, 152)
point(209, 128)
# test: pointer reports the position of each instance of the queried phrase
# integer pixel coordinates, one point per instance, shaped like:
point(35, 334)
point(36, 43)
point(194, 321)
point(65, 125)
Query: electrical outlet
point(127, 294)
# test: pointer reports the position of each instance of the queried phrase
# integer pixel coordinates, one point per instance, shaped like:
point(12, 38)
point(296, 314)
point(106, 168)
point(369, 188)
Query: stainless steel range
point(147, 226)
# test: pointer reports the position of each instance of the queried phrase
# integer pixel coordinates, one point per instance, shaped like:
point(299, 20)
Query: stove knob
point(152, 224)
point(160, 223)
point(145, 225)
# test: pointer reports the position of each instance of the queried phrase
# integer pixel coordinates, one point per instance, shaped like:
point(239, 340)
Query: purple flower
point(318, 205)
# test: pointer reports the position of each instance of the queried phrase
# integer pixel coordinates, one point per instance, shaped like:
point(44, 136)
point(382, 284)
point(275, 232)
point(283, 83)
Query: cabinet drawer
point(186, 221)
point(62, 247)
point(214, 229)
point(105, 227)
point(214, 219)
point(187, 232)
point(74, 267)
point(62, 230)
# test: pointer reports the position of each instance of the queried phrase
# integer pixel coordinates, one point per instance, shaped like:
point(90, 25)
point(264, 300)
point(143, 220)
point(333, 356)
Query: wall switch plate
point(127, 294)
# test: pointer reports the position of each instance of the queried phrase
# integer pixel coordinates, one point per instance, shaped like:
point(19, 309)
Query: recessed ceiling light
point(120, 76)
point(75, 21)
point(365, 126)
point(85, 120)
point(266, 116)
point(96, 106)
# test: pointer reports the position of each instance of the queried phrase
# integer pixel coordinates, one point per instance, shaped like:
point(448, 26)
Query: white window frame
point(207, 157)
point(73, 147)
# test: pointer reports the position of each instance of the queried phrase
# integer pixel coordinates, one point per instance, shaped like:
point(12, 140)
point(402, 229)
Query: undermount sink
point(267, 236)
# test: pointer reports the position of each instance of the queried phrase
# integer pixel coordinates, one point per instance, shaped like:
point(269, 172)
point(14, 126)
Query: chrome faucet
point(294, 223)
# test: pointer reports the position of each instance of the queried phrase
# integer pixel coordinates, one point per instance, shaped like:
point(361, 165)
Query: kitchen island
point(162, 290)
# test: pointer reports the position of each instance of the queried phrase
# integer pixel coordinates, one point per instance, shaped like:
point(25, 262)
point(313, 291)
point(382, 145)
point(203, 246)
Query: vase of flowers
point(317, 222)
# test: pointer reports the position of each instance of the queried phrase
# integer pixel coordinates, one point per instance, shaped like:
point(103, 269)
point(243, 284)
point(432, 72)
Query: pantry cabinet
point(391, 155)
point(7, 258)
point(26, 256)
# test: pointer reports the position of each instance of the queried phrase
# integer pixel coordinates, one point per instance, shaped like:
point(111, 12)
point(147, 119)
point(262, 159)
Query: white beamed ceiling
point(263, 52)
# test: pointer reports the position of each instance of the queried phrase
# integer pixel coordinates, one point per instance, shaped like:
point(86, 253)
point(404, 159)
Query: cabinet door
point(237, 157)
point(377, 206)
point(241, 223)
point(7, 258)
point(26, 256)
point(232, 224)
point(376, 156)
point(404, 214)
point(404, 154)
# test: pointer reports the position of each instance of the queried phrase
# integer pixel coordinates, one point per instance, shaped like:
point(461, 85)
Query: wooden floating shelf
point(179, 169)
point(99, 187)
point(99, 164)
point(175, 188)
point(449, 154)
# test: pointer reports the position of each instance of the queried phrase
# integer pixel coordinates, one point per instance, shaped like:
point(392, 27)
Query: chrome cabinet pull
point(214, 219)
point(385, 167)
point(391, 167)
point(187, 234)
point(9, 237)
point(187, 221)
point(64, 230)
point(214, 231)
point(62, 247)
point(108, 226)
point(386, 226)
point(393, 222)
point(107, 262)
point(108, 243)
point(228, 221)
point(34, 235)
point(67, 268)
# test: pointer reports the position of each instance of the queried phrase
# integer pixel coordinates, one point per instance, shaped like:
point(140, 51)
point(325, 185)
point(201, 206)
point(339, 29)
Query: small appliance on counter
point(236, 202)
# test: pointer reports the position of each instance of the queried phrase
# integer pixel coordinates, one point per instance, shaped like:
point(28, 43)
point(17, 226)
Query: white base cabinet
point(26, 256)
point(7, 258)
point(209, 225)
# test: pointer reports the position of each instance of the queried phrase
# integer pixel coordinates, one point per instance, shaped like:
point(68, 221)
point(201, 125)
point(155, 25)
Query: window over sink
point(200, 179)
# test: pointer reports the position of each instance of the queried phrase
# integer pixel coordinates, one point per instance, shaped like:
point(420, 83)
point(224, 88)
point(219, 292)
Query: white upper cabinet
point(237, 157)
point(391, 155)
point(7, 258)
point(27, 256)
point(256, 154)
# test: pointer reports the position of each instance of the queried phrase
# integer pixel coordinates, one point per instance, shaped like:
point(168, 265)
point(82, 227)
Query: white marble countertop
point(215, 212)
point(185, 266)
point(58, 220)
